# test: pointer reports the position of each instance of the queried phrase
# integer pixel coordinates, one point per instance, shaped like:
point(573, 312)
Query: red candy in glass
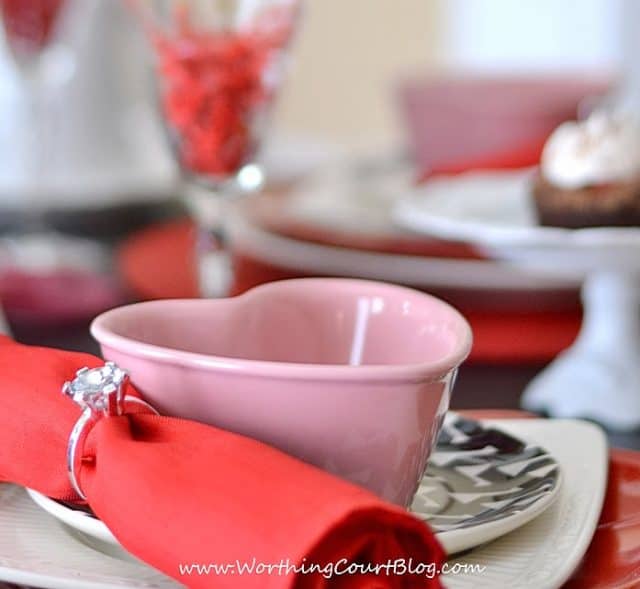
point(29, 23)
point(216, 85)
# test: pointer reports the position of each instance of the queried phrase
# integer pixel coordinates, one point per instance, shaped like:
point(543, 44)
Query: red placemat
point(159, 262)
point(613, 558)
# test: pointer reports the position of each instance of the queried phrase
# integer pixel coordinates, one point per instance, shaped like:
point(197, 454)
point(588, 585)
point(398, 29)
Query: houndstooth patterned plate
point(482, 483)
point(37, 551)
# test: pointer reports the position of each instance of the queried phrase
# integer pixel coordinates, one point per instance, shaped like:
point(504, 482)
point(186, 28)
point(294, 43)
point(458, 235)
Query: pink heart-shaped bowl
point(350, 375)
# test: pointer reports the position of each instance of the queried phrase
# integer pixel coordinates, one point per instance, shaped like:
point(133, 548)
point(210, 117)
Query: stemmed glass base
point(209, 205)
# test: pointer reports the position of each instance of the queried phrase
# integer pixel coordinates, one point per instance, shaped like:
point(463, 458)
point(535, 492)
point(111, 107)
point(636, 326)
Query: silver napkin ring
point(100, 393)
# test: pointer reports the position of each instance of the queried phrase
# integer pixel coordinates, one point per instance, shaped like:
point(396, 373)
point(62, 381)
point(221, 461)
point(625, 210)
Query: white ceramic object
point(420, 271)
point(88, 136)
point(495, 211)
point(357, 196)
point(539, 555)
point(599, 376)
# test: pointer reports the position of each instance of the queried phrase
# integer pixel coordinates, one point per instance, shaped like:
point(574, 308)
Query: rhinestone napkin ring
point(100, 393)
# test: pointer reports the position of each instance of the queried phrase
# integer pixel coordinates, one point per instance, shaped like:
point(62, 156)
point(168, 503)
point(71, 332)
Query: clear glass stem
point(208, 209)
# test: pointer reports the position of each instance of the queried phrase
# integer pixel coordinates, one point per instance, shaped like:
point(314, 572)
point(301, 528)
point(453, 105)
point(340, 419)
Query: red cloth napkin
point(176, 492)
point(522, 156)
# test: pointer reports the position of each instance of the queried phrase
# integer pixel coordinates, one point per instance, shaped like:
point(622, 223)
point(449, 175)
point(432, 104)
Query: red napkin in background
point(178, 492)
point(521, 156)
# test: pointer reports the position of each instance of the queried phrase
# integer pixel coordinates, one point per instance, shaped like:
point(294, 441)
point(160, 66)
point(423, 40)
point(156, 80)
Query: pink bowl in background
point(450, 119)
point(349, 375)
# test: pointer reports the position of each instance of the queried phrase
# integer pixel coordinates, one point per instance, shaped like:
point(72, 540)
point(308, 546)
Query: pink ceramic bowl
point(350, 375)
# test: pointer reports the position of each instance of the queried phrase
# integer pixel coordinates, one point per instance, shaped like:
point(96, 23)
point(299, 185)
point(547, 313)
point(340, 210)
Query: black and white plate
point(482, 483)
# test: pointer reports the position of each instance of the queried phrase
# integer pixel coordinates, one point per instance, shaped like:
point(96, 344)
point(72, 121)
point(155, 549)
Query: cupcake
point(589, 173)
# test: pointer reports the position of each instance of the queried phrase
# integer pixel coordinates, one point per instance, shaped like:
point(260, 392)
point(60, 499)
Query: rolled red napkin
point(181, 495)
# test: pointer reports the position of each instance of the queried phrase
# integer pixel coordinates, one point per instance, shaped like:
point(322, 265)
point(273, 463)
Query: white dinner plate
point(420, 271)
point(36, 550)
point(358, 198)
